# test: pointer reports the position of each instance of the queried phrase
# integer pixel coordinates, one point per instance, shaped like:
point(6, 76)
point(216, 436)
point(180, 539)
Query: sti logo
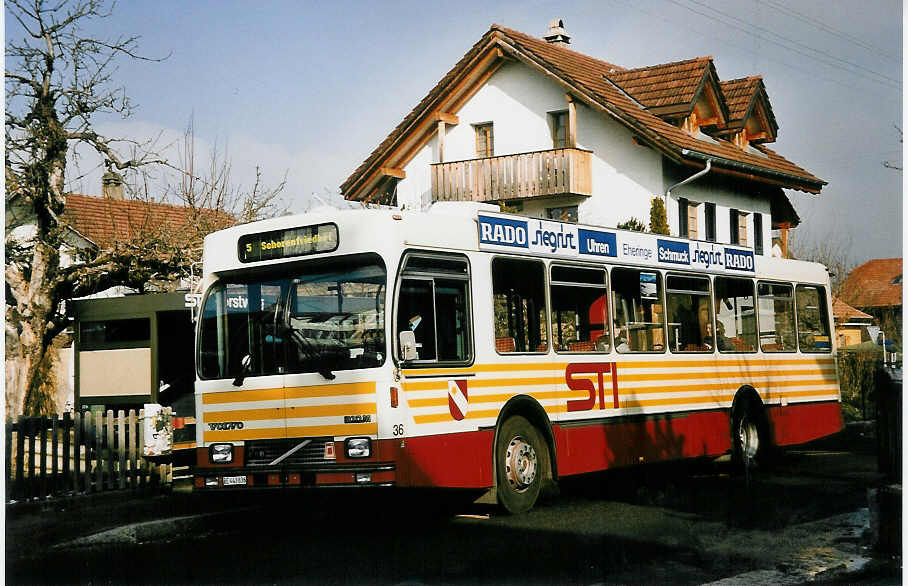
point(503, 232)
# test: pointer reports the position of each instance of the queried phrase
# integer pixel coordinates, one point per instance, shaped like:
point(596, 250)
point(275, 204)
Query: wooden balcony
point(520, 176)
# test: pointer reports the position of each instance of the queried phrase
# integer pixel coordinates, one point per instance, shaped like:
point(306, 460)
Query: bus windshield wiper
point(312, 353)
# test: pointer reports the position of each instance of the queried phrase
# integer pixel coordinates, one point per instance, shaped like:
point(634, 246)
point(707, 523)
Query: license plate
point(234, 480)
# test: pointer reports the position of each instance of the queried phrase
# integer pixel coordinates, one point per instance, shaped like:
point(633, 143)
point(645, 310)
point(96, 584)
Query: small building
point(133, 350)
point(851, 325)
point(875, 288)
point(548, 132)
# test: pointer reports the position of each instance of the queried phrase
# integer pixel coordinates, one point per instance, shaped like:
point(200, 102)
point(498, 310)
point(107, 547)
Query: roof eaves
point(755, 169)
point(361, 173)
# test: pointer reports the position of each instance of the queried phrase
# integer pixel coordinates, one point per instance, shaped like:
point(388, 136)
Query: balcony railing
point(524, 175)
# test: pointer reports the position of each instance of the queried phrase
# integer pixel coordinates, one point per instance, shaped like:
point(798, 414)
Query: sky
point(310, 88)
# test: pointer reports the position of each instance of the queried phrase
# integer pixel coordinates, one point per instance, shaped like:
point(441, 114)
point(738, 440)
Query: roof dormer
point(686, 93)
point(751, 120)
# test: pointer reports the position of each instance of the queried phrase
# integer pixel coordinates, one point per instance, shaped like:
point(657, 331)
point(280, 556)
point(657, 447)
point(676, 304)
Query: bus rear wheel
point(522, 463)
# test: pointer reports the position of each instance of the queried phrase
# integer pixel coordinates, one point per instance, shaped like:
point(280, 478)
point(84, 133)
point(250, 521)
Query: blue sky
point(310, 88)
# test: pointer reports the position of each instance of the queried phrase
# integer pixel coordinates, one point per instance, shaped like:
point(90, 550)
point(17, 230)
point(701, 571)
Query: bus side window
point(518, 290)
point(434, 304)
point(736, 320)
point(690, 323)
point(639, 314)
point(776, 317)
point(579, 309)
point(813, 319)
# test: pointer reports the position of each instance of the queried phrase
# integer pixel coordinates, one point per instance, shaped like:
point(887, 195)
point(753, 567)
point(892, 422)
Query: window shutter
point(710, 213)
point(758, 233)
point(742, 229)
point(693, 231)
point(733, 226)
point(682, 217)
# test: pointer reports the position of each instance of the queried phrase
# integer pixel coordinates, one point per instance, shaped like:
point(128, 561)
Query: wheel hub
point(748, 437)
point(520, 464)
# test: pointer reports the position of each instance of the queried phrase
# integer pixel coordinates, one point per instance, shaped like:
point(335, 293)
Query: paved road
point(685, 524)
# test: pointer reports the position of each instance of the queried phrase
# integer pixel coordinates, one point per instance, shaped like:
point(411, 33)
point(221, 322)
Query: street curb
point(136, 533)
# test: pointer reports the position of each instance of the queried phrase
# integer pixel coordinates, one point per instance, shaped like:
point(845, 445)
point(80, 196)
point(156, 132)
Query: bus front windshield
point(317, 318)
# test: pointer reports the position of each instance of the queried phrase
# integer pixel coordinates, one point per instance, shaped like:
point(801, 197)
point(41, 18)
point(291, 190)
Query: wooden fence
point(78, 454)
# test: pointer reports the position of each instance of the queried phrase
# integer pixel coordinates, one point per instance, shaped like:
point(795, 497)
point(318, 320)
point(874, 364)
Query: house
point(553, 133)
point(851, 325)
point(875, 287)
point(122, 333)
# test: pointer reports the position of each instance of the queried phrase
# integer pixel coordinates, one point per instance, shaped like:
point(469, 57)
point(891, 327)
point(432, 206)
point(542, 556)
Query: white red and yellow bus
point(467, 348)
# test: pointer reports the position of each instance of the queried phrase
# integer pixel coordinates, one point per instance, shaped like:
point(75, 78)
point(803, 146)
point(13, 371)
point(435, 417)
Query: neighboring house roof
point(596, 83)
point(876, 283)
point(844, 313)
point(104, 221)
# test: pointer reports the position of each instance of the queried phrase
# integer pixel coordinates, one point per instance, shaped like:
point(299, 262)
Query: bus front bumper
point(223, 479)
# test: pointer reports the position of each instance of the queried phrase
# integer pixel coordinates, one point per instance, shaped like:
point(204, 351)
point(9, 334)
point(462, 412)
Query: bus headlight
point(220, 453)
point(358, 447)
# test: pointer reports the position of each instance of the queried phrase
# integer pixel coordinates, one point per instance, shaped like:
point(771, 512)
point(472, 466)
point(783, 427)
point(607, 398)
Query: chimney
point(112, 185)
point(556, 35)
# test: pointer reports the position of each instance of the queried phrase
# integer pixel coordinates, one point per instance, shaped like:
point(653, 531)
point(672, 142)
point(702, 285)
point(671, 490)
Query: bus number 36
point(398, 429)
point(600, 369)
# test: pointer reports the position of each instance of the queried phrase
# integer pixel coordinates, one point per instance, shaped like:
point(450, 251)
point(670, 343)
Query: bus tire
point(522, 464)
point(749, 442)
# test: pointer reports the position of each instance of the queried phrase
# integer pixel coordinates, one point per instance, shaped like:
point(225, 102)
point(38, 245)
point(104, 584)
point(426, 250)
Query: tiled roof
point(105, 221)
point(669, 84)
point(738, 94)
point(842, 312)
point(591, 78)
point(876, 283)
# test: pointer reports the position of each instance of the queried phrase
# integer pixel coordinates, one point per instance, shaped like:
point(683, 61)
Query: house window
point(758, 233)
point(485, 140)
point(560, 130)
point(564, 214)
point(709, 212)
point(737, 223)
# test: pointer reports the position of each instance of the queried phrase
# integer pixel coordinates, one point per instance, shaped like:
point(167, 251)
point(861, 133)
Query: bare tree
point(57, 83)
point(214, 188)
point(832, 253)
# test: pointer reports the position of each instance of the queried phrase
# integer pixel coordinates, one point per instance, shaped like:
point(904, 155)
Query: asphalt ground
point(689, 523)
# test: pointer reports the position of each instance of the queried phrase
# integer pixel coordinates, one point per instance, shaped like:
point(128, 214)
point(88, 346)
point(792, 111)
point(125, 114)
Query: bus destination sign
point(287, 243)
point(557, 239)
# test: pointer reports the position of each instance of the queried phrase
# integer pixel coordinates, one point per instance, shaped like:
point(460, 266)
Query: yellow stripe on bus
point(280, 432)
point(361, 388)
point(243, 396)
point(752, 360)
point(289, 412)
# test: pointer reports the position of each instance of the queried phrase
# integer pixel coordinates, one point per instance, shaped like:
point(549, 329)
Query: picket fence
point(78, 454)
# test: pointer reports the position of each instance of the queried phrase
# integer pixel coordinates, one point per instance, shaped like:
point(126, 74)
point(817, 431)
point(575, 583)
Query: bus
point(466, 348)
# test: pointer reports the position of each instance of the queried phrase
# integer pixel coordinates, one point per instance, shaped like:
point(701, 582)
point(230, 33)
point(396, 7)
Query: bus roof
point(472, 227)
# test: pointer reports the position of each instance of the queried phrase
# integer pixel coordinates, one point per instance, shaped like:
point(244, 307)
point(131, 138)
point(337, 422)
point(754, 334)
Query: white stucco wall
point(625, 176)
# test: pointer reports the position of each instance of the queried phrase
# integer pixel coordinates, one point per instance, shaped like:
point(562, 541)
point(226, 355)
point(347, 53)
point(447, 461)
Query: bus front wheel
point(749, 444)
point(522, 463)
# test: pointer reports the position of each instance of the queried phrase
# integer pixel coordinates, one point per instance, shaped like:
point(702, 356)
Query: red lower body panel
point(800, 423)
point(587, 448)
point(457, 460)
